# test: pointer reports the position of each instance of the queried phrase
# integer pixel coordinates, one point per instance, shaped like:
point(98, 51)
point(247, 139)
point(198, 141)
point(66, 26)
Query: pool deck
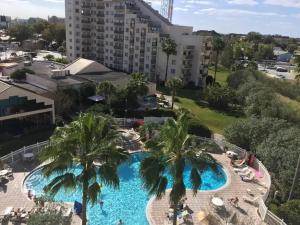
point(12, 195)
point(235, 187)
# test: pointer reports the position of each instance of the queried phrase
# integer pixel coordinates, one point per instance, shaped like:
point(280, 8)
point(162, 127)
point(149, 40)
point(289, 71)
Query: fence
point(18, 154)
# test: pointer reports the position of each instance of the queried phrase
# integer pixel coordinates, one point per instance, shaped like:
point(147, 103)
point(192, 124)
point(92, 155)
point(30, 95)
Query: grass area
point(213, 119)
point(15, 143)
point(222, 74)
point(295, 105)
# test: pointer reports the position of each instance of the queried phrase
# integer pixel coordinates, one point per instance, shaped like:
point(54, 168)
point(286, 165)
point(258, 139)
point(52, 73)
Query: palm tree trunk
point(167, 67)
point(216, 66)
point(84, 200)
point(173, 97)
point(175, 214)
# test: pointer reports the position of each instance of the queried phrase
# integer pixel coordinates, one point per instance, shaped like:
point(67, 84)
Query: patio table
point(28, 156)
point(217, 202)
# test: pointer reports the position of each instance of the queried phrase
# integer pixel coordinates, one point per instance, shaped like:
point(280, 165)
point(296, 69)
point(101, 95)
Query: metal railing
point(18, 154)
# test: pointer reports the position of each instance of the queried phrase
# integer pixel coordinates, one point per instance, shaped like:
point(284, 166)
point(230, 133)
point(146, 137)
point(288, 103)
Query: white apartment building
point(126, 35)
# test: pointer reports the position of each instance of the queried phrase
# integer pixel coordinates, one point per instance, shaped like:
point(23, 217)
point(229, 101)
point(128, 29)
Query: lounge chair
point(67, 213)
point(239, 164)
point(252, 201)
point(241, 170)
point(250, 178)
point(245, 173)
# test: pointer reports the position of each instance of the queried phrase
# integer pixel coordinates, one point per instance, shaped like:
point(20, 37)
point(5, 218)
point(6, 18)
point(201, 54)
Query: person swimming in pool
point(120, 222)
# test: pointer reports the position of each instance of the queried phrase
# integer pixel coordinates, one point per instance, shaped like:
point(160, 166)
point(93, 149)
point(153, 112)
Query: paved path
point(234, 188)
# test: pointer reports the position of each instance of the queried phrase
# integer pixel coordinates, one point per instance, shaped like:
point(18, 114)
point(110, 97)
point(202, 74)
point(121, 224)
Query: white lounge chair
point(237, 170)
point(248, 178)
point(68, 213)
point(245, 173)
point(252, 201)
point(8, 211)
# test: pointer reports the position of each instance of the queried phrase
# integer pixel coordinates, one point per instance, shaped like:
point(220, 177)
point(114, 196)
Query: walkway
point(12, 194)
point(235, 187)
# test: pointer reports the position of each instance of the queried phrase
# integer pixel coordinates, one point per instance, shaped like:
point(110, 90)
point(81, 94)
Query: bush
point(20, 74)
point(99, 108)
point(49, 57)
point(220, 97)
point(61, 60)
point(289, 212)
point(196, 128)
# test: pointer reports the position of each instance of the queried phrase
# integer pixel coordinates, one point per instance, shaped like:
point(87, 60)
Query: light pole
point(295, 178)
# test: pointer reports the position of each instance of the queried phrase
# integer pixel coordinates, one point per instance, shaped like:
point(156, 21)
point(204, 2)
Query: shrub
point(196, 128)
point(289, 212)
point(220, 97)
point(20, 74)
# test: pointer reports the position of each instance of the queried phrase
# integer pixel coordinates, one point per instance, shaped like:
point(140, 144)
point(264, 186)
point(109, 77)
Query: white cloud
point(55, 1)
point(235, 12)
point(197, 2)
point(180, 9)
point(242, 2)
point(285, 3)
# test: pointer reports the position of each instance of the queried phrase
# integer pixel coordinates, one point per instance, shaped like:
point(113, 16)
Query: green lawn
point(222, 74)
point(213, 119)
point(295, 105)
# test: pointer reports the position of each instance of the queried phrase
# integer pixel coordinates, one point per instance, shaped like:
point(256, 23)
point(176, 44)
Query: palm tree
point(89, 139)
point(174, 84)
point(169, 154)
point(169, 47)
point(107, 89)
point(218, 46)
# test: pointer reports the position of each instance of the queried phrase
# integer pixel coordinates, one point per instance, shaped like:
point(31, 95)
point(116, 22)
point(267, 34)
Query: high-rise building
point(127, 36)
point(5, 22)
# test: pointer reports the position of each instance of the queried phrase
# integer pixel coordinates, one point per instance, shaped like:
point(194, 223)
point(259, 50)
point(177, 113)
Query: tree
point(51, 217)
point(174, 84)
point(254, 37)
point(49, 57)
point(170, 153)
point(227, 59)
point(20, 74)
point(252, 65)
point(137, 85)
point(107, 89)
point(220, 97)
point(91, 137)
point(289, 212)
point(21, 32)
point(218, 46)
point(169, 47)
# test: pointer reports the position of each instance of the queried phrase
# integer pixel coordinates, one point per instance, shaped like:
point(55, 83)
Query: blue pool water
point(129, 202)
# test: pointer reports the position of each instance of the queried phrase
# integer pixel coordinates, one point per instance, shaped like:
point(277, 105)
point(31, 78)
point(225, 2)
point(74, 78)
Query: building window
point(173, 62)
point(147, 66)
point(137, 39)
point(137, 30)
point(136, 47)
point(173, 71)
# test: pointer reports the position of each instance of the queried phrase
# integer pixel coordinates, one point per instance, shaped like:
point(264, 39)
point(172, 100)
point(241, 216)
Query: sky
point(224, 16)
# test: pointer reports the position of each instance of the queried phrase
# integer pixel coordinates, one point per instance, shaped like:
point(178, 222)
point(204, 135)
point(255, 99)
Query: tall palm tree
point(107, 89)
point(170, 153)
point(91, 137)
point(218, 46)
point(169, 47)
point(174, 84)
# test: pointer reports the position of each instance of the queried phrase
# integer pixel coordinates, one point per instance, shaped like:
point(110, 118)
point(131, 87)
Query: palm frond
point(66, 181)
point(195, 179)
point(93, 192)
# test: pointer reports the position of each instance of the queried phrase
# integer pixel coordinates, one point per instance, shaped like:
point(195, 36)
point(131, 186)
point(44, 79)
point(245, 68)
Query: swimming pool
point(129, 202)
